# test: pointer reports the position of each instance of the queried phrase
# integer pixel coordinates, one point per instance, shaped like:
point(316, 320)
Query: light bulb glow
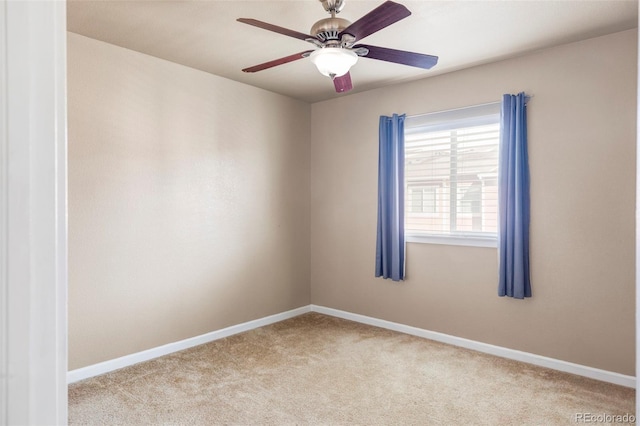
point(333, 61)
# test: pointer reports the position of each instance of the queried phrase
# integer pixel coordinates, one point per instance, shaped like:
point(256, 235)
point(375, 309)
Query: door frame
point(33, 212)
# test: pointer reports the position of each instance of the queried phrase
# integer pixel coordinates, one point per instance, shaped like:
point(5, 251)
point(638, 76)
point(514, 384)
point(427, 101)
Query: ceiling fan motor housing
point(329, 28)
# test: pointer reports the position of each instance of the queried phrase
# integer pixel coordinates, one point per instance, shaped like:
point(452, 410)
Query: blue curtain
point(513, 196)
point(390, 241)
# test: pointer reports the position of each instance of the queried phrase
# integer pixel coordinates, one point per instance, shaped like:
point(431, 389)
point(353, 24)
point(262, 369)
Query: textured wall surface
point(188, 202)
point(582, 133)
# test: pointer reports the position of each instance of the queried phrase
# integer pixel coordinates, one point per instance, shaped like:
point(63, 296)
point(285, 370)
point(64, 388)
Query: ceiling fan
point(335, 41)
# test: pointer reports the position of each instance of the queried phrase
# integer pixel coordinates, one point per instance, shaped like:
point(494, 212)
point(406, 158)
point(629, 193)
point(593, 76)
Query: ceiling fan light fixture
point(333, 61)
point(335, 42)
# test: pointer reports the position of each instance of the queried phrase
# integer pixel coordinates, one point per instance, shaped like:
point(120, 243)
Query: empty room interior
point(224, 226)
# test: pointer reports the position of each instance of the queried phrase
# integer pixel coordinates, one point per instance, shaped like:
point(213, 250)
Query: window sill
point(453, 241)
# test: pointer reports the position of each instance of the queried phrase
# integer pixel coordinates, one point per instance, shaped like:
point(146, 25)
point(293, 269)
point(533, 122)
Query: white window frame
point(445, 120)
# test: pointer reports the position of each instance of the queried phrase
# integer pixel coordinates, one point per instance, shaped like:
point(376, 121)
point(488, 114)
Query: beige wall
point(189, 208)
point(582, 131)
point(188, 202)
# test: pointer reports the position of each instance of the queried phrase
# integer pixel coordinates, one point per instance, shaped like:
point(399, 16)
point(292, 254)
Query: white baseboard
point(555, 364)
point(127, 360)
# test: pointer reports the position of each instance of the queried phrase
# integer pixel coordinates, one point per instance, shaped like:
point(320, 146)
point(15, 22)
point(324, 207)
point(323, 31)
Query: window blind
point(451, 171)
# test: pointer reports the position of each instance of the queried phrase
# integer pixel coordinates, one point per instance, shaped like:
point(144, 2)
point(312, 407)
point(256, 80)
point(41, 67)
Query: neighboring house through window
point(451, 172)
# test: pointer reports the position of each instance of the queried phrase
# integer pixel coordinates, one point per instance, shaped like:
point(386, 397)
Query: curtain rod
point(453, 109)
point(527, 98)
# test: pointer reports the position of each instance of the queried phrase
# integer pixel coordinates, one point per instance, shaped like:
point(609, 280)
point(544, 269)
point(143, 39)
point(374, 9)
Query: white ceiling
point(205, 35)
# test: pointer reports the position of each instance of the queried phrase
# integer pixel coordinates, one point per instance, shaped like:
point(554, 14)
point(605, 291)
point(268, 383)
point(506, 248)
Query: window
point(422, 199)
point(451, 176)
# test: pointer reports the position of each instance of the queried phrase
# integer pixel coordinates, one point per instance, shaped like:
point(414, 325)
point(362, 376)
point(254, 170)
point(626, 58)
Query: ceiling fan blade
point(275, 28)
point(343, 83)
point(277, 62)
point(399, 56)
point(382, 16)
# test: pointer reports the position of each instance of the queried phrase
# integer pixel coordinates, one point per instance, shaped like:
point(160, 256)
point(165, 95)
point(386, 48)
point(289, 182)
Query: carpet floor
point(316, 369)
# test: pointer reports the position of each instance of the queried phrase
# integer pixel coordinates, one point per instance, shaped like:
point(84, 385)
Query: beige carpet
point(315, 369)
